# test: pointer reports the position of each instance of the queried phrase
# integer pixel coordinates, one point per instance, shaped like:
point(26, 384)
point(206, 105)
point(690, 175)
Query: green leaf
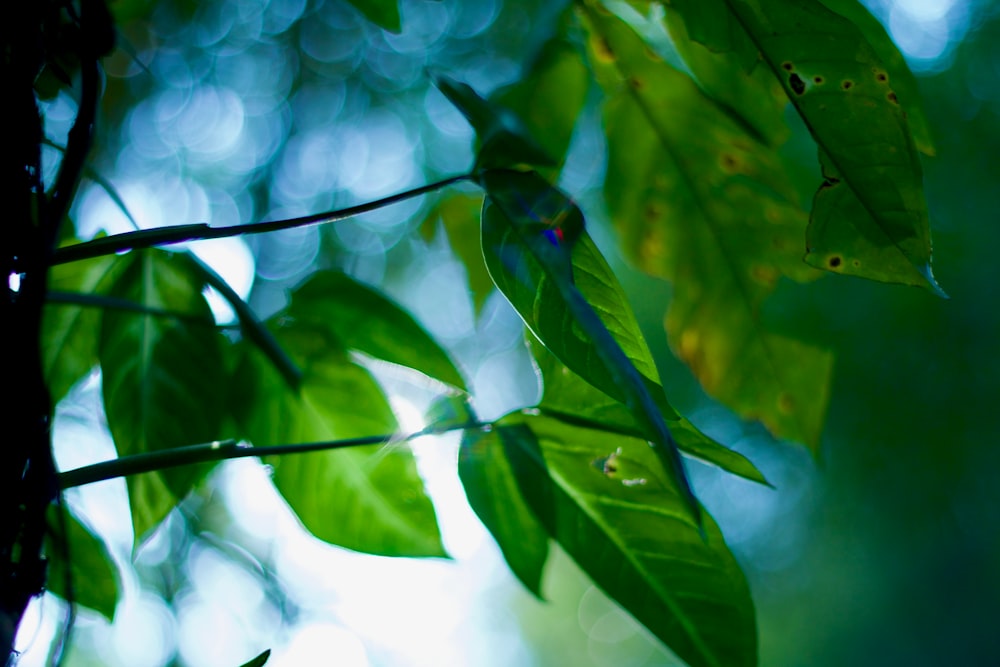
point(493, 493)
point(459, 215)
point(504, 139)
point(545, 264)
point(369, 499)
point(751, 95)
point(904, 83)
point(602, 498)
point(362, 319)
point(70, 333)
point(701, 202)
point(91, 570)
point(567, 397)
point(549, 96)
point(383, 13)
point(259, 661)
point(163, 378)
point(849, 100)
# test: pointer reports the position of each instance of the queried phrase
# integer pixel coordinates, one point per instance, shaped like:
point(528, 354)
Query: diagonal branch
point(221, 450)
point(148, 238)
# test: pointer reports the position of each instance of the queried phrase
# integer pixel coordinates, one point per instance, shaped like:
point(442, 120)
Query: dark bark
point(31, 33)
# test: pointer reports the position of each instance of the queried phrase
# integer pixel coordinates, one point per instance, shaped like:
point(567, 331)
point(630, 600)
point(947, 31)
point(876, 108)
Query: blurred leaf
point(601, 497)
point(259, 661)
point(504, 141)
point(701, 202)
point(549, 96)
point(541, 258)
point(567, 397)
point(904, 83)
point(369, 499)
point(449, 412)
point(362, 319)
point(70, 333)
point(383, 13)
point(753, 96)
point(459, 215)
point(92, 572)
point(494, 495)
point(845, 94)
point(163, 378)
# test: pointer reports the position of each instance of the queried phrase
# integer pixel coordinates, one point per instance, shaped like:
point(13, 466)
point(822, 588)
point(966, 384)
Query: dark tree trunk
point(26, 470)
point(33, 32)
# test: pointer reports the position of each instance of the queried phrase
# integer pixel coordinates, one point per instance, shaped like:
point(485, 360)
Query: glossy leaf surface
point(532, 236)
point(361, 318)
point(163, 377)
point(701, 202)
point(604, 500)
point(369, 499)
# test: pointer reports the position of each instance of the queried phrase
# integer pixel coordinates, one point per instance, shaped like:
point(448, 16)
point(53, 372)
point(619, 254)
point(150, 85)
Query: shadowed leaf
point(383, 13)
point(94, 576)
point(70, 333)
point(504, 141)
point(549, 97)
point(493, 494)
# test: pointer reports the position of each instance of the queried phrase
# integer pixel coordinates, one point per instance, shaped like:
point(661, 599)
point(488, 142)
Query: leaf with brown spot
point(723, 230)
point(866, 137)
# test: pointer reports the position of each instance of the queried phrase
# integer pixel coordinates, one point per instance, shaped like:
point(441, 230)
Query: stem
point(200, 231)
point(252, 327)
point(222, 450)
point(87, 300)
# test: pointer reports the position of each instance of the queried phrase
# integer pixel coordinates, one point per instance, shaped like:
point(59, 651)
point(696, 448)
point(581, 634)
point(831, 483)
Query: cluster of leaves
point(700, 195)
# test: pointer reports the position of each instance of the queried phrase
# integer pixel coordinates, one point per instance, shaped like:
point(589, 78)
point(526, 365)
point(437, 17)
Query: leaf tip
point(932, 284)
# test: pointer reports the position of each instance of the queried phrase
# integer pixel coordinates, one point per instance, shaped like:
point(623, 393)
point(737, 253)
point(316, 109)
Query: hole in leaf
point(797, 84)
point(834, 262)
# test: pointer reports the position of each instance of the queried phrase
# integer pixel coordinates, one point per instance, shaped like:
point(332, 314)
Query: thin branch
point(78, 143)
point(252, 327)
point(112, 303)
point(221, 450)
point(201, 231)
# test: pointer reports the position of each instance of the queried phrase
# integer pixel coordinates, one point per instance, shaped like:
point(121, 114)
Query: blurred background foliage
point(884, 551)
